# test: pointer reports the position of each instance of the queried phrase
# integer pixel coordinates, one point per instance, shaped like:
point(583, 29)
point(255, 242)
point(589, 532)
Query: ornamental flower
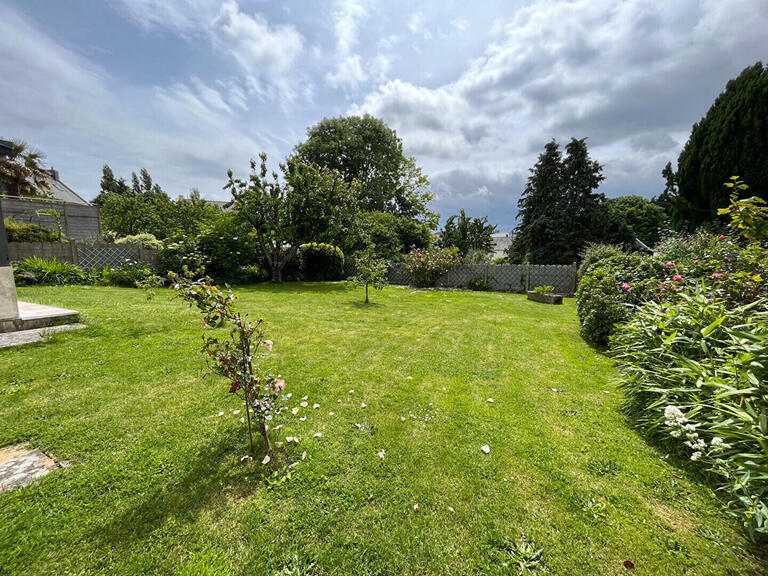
point(279, 385)
point(677, 277)
point(721, 237)
point(268, 345)
point(625, 286)
point(669, 264)
point(716, 275)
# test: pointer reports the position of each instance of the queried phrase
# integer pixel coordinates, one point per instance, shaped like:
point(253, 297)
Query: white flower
point(318, 434)
point(363, 405)
point(266, 459)
point(695, 456)
point(235, 412)
point(304, 404)
point(316, 406)
point(381, 454)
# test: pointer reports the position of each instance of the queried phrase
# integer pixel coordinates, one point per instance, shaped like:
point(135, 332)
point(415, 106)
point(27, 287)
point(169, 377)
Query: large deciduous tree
point(295, 209)
point(644, 218)
point(366, 150)
point(22, 172)
point(730, 139)
point(467, 233)
point(561, 210)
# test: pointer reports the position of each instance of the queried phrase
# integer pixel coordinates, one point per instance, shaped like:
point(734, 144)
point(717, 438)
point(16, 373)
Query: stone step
point(33, 316)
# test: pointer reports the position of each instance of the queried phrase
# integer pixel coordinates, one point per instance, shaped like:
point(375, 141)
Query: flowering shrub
point(426, 266)
point(238, 357)
point(694, 379)
point(610, 288)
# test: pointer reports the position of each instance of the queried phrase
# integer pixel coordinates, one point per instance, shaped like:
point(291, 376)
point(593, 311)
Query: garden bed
point(545, 298)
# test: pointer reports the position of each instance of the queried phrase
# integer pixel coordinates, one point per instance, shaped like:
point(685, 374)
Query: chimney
point(54, 173)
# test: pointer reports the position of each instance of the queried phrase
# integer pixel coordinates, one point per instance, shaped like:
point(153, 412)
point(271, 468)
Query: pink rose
point(721, 237)
point(279, 385)
point(695, 261)
point(625, 286)
point(669, 264)
point(716, 275)
point(677, 277)
point(268, 345)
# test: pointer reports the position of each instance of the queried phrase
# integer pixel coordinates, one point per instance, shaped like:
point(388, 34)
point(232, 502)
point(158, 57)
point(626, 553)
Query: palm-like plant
point(22, 172)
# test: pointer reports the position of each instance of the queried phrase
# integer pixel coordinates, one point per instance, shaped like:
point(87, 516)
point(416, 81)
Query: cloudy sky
point(189, 88)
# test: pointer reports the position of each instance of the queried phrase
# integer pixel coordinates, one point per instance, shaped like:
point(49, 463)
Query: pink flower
point(279, 385)
point(695, 261)
point(669, 264)
point(721, 237)
point(657, 295)
point(677, 277)
point(625, 286)
point(716, 275)
point(268, 345)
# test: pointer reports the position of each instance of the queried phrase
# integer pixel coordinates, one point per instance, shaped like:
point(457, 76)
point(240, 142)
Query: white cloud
point(259, 48)
point(416, 25)
point(348, 72)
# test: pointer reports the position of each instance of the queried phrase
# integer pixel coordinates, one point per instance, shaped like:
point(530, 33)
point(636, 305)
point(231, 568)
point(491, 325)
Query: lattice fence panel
point(563, 278)
point(98, 256)
point(350, 267)
point(507, 277)
point(399, 274)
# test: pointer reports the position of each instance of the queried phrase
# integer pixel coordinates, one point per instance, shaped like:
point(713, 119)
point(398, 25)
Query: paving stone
point(21, 465)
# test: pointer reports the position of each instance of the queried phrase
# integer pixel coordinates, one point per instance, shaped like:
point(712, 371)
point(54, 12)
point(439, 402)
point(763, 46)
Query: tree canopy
point(466, 233)
point(730, 139)
point(644, 218)
point(561, 210)
point(291, 211)
point(22, 172)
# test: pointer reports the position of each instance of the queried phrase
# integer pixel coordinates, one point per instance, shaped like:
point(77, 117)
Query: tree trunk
point(366, 293)
point(277, 273)
point(248, 414)
point(265, 435)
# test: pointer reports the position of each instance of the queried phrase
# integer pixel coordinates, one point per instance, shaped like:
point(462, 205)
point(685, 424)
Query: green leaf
point(706, 331)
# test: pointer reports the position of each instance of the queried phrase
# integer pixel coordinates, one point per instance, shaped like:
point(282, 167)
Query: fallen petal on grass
point(266, 459)
point(485, 448)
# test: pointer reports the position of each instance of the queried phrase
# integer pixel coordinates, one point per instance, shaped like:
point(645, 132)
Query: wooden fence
point(78, 221)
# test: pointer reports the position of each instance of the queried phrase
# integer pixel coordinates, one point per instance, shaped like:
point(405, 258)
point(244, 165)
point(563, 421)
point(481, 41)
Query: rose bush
point(426, 266)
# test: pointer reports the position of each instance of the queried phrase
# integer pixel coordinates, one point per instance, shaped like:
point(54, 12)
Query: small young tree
point(234, 358)
point(370, 271)
point(297, 210)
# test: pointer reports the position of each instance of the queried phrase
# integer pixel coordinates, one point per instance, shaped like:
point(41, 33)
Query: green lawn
point(155, 483)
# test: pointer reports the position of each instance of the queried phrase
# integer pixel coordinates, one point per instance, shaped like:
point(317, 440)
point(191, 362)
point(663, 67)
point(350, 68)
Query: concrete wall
point(8, 306)
point(78, 222)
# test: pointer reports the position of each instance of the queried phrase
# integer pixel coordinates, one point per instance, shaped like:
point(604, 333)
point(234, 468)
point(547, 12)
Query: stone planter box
point(545, 298)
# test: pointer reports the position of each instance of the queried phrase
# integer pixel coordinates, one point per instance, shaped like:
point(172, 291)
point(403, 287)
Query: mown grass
point(155, 484)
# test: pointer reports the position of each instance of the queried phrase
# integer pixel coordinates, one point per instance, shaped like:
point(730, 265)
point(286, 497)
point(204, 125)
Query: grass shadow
point(181, 499)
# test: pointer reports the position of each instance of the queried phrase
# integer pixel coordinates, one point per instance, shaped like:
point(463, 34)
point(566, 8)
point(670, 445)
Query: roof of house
point(61, 191)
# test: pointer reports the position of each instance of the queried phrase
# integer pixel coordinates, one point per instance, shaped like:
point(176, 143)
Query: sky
point(191, 88)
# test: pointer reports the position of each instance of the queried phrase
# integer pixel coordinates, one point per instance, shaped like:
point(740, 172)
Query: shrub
point(478, 285)
point(544, 289)
point(19, 231)
point(146, 239)
point(610, 288)
point(594, 253)
point(321, 261)
point(426, 266)
point(36, 270)
point(178, 253)
point(227, 246)
point(130, 274)
point(694, 374)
